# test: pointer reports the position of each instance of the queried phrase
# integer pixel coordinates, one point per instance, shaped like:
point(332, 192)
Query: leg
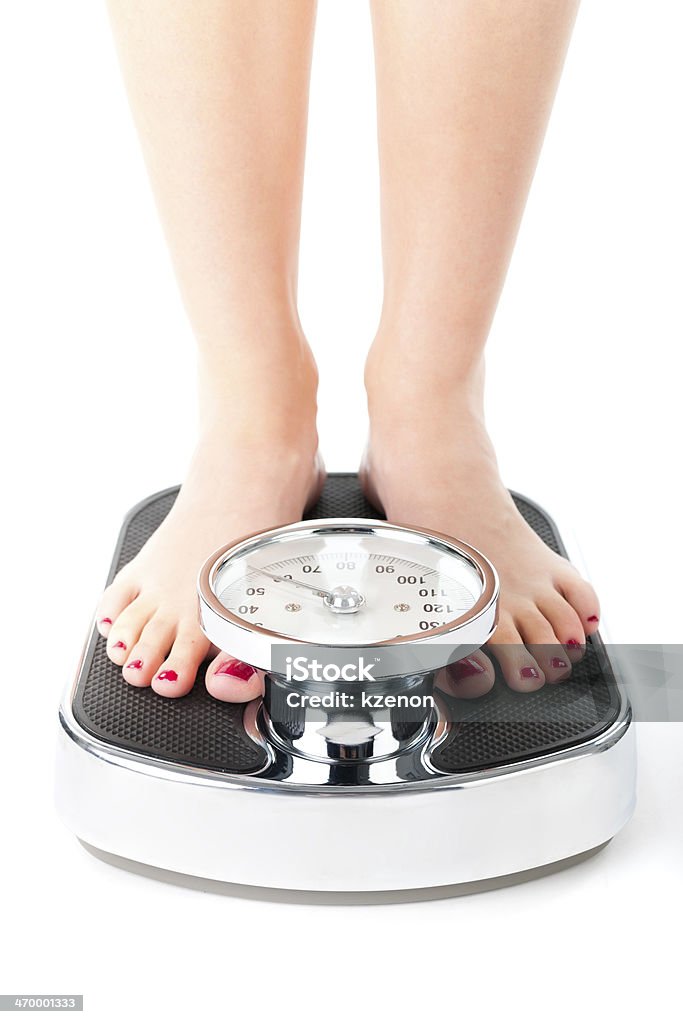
point(464, 93)
point(219, 91)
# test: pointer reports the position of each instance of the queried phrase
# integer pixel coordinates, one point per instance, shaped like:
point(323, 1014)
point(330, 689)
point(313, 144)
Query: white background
point(584, 405)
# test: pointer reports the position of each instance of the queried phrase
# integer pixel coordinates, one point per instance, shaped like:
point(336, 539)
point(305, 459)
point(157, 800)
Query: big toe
point(469, 677)
point(230, 680)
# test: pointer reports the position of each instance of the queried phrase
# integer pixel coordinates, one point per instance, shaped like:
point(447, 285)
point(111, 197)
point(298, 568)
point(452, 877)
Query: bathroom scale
point(355, 771)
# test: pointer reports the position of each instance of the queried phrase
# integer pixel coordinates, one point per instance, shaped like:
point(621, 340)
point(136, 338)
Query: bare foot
point(255, 466)
point(430, 463)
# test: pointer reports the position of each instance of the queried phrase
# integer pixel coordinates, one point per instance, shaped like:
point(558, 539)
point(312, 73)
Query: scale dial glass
point(338, 584)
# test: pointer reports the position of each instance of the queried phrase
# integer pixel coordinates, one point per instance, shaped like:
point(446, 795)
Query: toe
point(583, 600)
point(137, 671)
point(115, 598)
point(146, 657)
point(126, 629)
point(540, 640)
point(231, 680)
point(470, 677)
point(554, 661)
point(177, 674)
point(566, 624)
point(520, 669)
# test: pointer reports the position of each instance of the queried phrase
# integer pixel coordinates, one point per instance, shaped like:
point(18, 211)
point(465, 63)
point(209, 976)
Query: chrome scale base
point(468, 795)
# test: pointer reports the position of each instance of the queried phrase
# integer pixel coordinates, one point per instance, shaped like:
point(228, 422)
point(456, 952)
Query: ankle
point(259, 385)
point(422, 379)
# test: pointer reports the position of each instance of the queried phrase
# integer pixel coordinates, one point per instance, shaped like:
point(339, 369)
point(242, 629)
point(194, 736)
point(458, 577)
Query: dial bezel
point(253, 644)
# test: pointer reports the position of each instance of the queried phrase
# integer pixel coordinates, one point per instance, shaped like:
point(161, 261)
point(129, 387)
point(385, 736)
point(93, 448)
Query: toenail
point(466, 668)
point(120, 644)
point(168, 675)
point(107, 622)
point(593, 618)
point(237, 669)
point(572, 643)
point(135, 664)
point(559, 663)
point(529, 673)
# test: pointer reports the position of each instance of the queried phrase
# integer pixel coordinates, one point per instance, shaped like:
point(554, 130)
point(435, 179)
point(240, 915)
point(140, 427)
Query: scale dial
point(342, 583)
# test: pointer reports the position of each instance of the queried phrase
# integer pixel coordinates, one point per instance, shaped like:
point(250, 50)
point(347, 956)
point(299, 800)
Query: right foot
point(256, 466)
point(430, 463)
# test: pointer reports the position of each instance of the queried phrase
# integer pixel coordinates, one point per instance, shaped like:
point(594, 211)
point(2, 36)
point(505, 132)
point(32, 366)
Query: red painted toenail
point(237, 669)
point(529, 673)
point(120, 644)
point(593, 618)
point(107, 622)
point(169, 675)
point(559, 663)
point(135, 664)
point(466, 668)
point(572, 643)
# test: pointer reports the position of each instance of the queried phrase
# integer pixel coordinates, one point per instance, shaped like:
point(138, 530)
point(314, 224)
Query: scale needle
point(297, 583)
point(342, 600)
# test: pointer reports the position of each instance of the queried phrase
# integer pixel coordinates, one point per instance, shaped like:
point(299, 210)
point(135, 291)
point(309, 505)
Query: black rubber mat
point(502, 727)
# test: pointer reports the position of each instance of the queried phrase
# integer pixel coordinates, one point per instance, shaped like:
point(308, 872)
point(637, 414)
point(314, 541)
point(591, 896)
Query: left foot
point(255, 467)
point(431, 464)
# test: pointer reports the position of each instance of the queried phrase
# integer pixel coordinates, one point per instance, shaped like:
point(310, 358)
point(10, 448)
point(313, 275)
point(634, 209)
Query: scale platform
point(191, 786)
